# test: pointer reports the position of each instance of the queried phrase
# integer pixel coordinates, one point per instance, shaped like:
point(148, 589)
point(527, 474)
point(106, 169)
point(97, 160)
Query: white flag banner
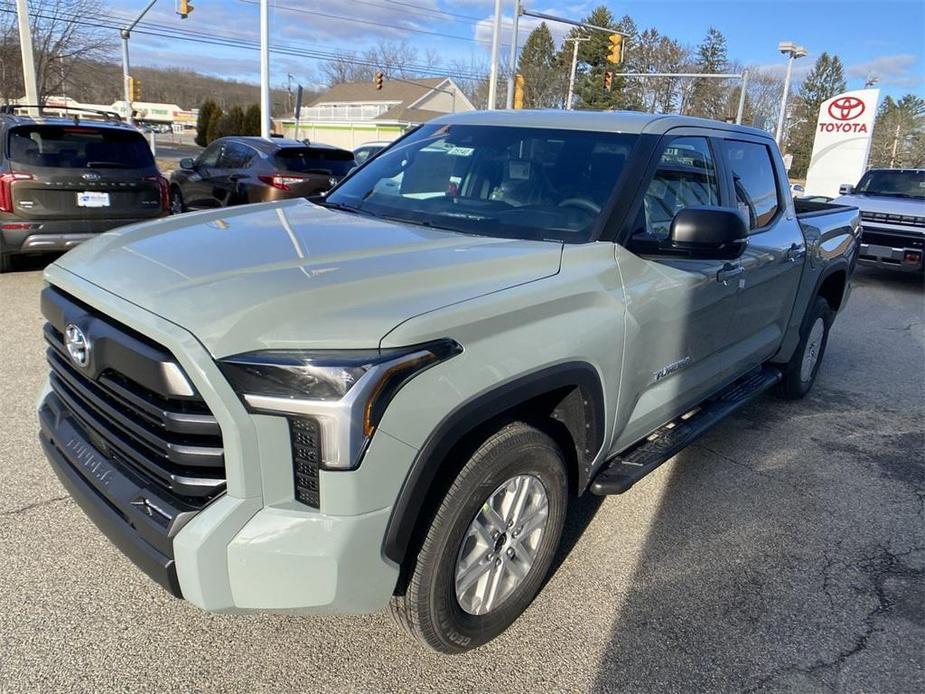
point(842, 144)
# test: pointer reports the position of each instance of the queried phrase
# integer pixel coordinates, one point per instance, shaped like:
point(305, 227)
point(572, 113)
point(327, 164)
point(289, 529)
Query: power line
point(151, 29)
point(368, 22)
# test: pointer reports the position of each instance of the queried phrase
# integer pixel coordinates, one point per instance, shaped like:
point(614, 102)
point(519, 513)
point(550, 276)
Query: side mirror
point(845, 189)
point(708, 232)
point(187, 163)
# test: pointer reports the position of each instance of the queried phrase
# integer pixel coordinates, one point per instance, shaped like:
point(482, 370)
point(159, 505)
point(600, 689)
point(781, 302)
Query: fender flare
point(466, 417)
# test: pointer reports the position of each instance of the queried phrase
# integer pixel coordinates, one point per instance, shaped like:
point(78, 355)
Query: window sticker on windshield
point(519, 170)
point(455, 151)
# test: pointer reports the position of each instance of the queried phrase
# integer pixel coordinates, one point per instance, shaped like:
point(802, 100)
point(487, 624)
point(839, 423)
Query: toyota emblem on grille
point(78, 346)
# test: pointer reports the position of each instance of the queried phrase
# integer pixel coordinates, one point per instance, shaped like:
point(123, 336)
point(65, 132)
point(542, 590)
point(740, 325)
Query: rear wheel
point(176, 201)
point(6, 260)
point(800, 372)
point(491, 542)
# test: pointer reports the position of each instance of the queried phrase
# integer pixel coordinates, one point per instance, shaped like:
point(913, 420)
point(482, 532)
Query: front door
point(199, 187)
point(678, 309)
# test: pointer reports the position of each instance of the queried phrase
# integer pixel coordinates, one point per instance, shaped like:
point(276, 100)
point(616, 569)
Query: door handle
point(795, 252)
point(728, 272)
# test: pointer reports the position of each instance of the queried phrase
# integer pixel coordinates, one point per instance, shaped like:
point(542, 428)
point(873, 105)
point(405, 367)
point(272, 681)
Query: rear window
point(78, 147)
point(334, 162)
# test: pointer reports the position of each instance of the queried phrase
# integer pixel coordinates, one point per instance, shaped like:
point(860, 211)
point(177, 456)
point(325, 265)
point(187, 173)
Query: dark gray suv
point(64, 180)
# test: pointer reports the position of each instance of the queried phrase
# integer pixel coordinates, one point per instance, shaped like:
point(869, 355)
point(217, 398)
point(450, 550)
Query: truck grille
point(882, 238)
point(902, 219)
point(133, 403)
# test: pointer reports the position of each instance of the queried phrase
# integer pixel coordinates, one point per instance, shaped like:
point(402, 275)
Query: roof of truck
point(601, 121)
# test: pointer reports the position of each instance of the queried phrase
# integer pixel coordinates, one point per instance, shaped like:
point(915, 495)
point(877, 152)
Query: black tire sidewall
point(176, 197)
point(819, 309)
point(541, 458)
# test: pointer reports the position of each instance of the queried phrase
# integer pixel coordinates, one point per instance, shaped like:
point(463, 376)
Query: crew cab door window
point(754, 182)
point(685, 177)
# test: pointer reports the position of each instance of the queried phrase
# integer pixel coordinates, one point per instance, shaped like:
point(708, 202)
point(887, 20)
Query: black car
point(64, 180)
point(241, 170)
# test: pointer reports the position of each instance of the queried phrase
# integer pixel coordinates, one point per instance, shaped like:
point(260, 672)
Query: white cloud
point(893, 70)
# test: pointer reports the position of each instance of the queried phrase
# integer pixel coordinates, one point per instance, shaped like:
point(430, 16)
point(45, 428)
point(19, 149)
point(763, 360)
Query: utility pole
point(265, 69)
point(512, 59)
point(740, 113)
point(895, 144)
point(28, 61)
point(495, 50)
point(571, 76)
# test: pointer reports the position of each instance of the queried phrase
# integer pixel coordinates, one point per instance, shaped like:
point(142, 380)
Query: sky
point(870, 36)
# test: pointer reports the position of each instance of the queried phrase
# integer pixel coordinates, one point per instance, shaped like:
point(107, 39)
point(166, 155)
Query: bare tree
point(62, 37)
point(396, 59)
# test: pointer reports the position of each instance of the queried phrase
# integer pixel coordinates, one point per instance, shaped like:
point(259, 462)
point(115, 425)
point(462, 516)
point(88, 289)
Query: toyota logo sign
point(78, 346)
point(846, 108)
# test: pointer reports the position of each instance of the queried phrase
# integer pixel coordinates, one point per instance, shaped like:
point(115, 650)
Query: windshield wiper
point(337, 206)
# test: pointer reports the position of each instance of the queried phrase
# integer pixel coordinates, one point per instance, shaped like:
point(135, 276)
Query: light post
point(788, 48)
point(495, 57)
point(512, 59)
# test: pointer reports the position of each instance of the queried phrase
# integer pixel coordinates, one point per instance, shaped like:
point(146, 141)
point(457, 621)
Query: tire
point(176, 201)
point(800, 372)
point(517, 457)
point(6, 260)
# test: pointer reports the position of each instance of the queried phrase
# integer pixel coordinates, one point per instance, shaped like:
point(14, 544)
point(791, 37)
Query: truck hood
point(883, 203)
point(291, 274)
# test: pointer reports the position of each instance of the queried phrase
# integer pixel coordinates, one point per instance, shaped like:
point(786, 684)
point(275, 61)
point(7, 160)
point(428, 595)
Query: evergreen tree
point(709, 96)
point(825, 80)
point(212, 127)
point(593, 63)
point(540, 70)
point(231, 123)
point(206, 113)
point(251, 120)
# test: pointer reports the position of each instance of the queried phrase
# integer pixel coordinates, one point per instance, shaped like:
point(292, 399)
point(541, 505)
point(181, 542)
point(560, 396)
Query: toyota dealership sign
point(842, 145)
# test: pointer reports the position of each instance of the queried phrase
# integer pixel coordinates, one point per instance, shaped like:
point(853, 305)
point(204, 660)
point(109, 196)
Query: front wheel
point(800, 372)
point(491, 543)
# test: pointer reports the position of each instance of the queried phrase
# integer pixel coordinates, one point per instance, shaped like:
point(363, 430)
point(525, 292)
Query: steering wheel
point(582, 203)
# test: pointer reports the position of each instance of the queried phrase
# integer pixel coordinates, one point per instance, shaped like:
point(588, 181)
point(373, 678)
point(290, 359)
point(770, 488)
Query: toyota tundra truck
point(389, 399)
point(892, 205)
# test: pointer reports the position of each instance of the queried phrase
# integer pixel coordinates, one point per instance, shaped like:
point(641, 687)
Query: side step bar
point(623, 471)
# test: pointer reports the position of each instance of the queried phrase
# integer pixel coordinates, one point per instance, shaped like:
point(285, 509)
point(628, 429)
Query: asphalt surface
point(785, 552)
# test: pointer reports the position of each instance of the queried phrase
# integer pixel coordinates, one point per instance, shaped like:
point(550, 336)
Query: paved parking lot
point(785, 552)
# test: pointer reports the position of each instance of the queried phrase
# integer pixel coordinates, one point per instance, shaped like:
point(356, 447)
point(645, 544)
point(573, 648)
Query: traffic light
point(379, 79)
point(608, 80)
point(134, 89)
point(519, 83)
point(184, 7)
point(616, 49)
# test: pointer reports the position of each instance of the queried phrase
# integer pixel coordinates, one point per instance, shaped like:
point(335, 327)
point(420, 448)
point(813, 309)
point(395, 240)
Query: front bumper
point(888, 249)
point(253, 548)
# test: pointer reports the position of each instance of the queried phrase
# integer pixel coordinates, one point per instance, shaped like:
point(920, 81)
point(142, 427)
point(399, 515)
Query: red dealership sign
point(846, 108)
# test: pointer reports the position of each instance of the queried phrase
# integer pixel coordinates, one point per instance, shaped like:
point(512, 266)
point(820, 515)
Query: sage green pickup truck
point(389, 398)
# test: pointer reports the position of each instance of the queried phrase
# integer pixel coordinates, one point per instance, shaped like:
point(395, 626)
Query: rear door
point(231, 174)
point(773, 260)
point(82, 172)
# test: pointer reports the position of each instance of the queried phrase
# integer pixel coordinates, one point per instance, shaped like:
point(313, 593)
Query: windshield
point(334, 162)
point(79, 147)
point(528, 183)
point(896, 183)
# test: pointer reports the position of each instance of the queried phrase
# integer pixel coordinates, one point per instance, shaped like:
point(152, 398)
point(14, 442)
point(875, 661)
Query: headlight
point(344, 392)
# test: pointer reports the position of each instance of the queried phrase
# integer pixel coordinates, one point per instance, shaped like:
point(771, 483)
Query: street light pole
point(512, 59)
point(265, 69)
point(495, 50)
point(790, 49)
point(28, 61)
